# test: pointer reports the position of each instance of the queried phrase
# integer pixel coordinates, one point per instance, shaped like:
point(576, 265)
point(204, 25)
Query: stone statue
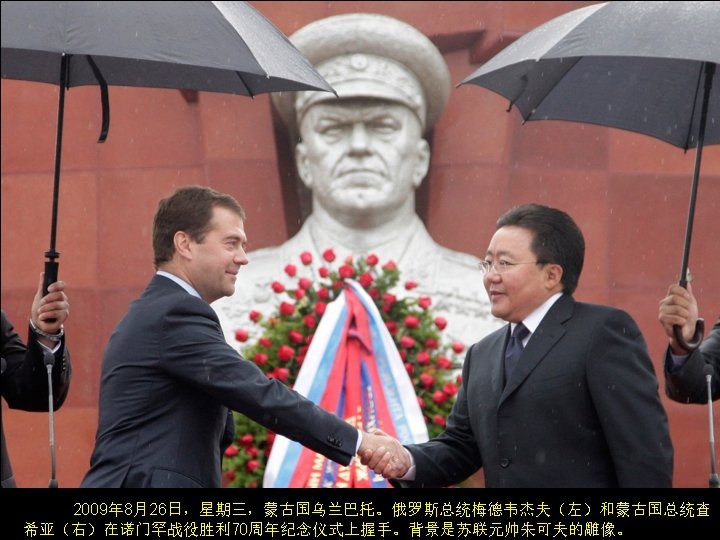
point(362, 154)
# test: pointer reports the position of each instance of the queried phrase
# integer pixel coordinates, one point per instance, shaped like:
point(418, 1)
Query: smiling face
point(521, 289)
point(361, 155)
point(211, 266)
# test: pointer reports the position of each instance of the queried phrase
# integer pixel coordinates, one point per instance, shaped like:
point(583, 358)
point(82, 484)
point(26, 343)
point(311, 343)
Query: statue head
point(366, 55)
point(362, 152)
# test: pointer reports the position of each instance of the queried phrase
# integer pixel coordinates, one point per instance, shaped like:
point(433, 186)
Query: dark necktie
point(514, 349)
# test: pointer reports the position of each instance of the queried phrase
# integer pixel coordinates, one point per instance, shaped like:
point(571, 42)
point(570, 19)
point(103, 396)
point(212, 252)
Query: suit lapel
point(550, 331)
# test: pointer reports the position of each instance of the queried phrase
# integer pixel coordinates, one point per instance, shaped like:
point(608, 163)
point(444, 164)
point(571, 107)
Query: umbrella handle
point(694, 343)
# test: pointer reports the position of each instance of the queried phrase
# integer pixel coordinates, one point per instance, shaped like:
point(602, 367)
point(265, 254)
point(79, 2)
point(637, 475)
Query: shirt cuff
point(677, 361)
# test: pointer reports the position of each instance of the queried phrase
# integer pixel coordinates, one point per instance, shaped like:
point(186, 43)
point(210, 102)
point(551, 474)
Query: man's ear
point(422, 165)
point(553, 275)
point(182, 241)
point(303, 164)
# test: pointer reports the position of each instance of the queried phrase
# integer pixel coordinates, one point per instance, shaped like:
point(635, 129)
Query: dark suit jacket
point(581, 409)
point(24, 379)
point(688, 384)
point(168, 380)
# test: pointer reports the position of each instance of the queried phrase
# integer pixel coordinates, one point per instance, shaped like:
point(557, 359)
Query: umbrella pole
point(51, 264)
point(700, 324)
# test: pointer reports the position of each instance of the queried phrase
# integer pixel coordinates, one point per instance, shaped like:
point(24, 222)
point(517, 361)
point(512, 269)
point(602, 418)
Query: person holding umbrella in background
point(685, 370)
point(24, 372)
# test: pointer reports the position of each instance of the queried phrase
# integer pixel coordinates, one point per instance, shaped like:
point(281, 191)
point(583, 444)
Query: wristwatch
point(51, 337)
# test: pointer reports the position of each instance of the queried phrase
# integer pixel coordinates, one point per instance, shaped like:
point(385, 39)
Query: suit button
point(505, 463)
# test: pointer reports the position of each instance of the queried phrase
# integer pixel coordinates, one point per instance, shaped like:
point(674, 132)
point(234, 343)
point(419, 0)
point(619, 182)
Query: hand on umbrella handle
point(694, 343)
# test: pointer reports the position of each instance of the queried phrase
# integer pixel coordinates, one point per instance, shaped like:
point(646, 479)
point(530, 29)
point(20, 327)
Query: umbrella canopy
point(647, 67)
point(212, 46)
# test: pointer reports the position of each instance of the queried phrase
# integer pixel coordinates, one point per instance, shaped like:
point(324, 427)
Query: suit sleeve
point(452, 456)
point(624, 390)
point(24, 377)
point(688, 384)
point(195, 350)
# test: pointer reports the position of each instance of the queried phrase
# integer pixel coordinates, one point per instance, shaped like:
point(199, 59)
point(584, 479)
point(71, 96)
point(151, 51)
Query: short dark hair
point(189, 209)
point(558, 239)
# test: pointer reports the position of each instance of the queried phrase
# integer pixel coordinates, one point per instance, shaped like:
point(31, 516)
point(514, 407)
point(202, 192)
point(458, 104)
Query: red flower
point(391, 326)
point(265, 342)
point(277, 287)
point(286, 353)
point(252, 451)
point(410, 285)
point(431, 343)
point(407, 342)
point(328, 255)
point(304, 283)
point(421, 402)
point(323, 272)
point(295, 336)
point(306, 258)
point(291, 270)
point(424, 302)
point(281, 373)
point(439, 397)
point(450, 389)
point(427, 380)
point(440, 322)
point(260, 359)
point(309, 321)
point(411, 321)
point(230, 475)
point(241, 335)
point(365, 280)
point(323, 293)
point(390, 265)
point(372, 259)
point(252, 465)
point(389, 298)
point(410, 368)
point(423, 358)
point(346, 271)
point(320, 308)
point(458, 347)
point(255, 316)
point(247, 439)
point(287, 309)
point(439, 419)
point(299, 294)
point(232, 451)
point(443, 362)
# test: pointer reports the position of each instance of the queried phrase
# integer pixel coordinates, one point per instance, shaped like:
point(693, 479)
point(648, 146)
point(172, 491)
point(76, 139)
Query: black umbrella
point(648, 67)
point(214, 46)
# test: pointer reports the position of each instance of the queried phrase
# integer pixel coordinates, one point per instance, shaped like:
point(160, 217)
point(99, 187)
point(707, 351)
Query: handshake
point(384, 454)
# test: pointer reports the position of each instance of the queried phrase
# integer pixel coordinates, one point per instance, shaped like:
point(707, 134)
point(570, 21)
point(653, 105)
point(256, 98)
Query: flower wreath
point(286, 333)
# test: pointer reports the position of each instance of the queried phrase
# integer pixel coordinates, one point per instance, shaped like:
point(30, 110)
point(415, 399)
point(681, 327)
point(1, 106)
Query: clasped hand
point(384, 454)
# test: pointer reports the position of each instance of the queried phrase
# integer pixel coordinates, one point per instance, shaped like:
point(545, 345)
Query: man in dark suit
point(685, 378)
point(169, 378)
point(24, 372)
point(580, 409)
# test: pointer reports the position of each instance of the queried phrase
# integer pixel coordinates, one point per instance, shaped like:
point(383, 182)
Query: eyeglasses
point(500, 267)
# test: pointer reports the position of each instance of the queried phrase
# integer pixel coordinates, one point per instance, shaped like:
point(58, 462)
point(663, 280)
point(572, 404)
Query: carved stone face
point(361, 155)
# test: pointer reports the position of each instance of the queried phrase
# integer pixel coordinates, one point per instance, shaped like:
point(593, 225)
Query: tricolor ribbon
point(354, 370)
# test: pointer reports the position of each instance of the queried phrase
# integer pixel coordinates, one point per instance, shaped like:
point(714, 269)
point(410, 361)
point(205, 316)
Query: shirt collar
point(533, 320)
point(184, 284)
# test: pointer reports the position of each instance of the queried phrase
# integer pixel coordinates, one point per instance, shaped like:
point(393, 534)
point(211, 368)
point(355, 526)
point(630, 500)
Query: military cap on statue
point(366, 55)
